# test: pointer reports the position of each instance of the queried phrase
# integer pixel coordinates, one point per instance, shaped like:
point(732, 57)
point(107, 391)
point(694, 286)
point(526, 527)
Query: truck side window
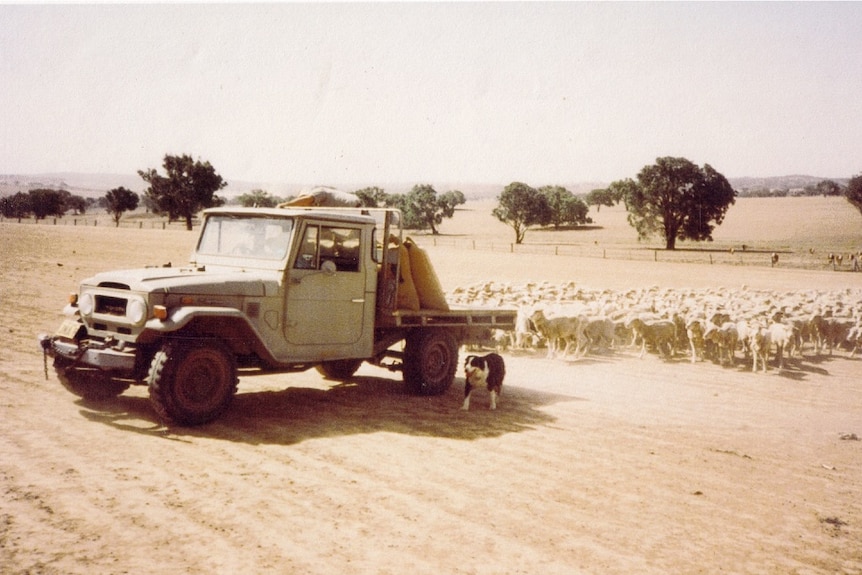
point(322, 243)
point(306, 259)
point(341, 246)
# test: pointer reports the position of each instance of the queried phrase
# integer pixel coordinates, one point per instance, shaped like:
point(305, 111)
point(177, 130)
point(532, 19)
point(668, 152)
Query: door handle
point(358, 300)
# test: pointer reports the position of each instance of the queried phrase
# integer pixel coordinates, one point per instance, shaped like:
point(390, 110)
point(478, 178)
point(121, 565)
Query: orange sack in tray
point(425, 279)
point(408, 298)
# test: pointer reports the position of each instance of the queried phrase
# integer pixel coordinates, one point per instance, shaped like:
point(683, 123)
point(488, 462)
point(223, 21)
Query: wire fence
point(153, 223)
point(745, 256)
point(781, 258)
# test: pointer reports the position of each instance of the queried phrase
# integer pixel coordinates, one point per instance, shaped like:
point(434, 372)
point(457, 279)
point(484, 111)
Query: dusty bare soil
point(607, 464)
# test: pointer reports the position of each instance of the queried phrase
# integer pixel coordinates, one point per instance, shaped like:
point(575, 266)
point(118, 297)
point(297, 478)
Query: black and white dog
point(483, 370)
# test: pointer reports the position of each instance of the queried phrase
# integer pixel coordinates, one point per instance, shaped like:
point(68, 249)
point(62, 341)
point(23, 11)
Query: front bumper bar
point(89, 353)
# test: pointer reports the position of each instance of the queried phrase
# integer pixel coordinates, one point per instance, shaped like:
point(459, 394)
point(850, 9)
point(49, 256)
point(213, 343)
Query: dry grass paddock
point(609, 464)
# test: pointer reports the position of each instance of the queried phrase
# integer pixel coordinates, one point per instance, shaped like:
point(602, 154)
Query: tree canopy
point(258, 199)
point(372, 197)
point(119, 200)
point(566, 208)
point(421, 207)
point(602, 197)
point(16, 206)
point(521, 206)
point(45, 202)
point(853, 193)
point(188, 187)
point(676, 198)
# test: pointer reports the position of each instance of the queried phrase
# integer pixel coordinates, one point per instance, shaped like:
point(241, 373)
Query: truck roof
point(347, 215)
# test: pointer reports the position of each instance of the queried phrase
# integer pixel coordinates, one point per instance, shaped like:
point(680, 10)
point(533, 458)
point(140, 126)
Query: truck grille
point(111, 305)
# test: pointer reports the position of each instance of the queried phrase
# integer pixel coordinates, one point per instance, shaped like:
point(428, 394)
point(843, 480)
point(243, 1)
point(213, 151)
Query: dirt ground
point(608, 464)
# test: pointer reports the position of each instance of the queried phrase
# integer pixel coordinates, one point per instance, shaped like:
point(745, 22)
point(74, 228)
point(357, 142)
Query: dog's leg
point(467, 390)
point(493, 399)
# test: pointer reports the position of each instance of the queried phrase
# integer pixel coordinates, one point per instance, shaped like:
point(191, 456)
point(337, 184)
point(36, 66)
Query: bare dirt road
point(607, 464)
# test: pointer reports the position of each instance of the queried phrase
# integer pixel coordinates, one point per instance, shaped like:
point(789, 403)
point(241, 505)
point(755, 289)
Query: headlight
point(86, 303)
point(136, 311)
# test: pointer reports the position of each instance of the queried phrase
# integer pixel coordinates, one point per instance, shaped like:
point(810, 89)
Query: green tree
point(599, 198)
point(44, 203)
point(853, 192)
point(119, 200)
point(188, 187)
point(257, 199)
point(16, 206)
point(521, 206)
point(566, 208)
point(678, 199)
point(77, 204)
point(453, 198)
point(372, 197)
point(829, 188)
point(423, 208)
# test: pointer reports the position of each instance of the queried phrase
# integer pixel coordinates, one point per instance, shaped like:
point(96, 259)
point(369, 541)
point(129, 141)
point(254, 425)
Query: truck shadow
point(364, 404)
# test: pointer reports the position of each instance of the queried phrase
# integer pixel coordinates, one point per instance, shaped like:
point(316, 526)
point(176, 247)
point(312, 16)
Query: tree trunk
point(189, 223)
point(670, 242)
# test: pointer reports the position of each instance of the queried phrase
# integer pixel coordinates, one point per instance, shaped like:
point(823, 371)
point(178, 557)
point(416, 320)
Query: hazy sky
point(488, 92)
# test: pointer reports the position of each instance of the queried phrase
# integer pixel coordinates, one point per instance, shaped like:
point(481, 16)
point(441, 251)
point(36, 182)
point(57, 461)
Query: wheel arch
point(228, 325)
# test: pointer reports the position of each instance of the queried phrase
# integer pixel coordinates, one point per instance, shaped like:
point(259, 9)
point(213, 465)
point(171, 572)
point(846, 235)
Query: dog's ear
point(468, 360)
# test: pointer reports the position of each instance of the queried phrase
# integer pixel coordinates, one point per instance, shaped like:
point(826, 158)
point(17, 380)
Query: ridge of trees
point(673, 198)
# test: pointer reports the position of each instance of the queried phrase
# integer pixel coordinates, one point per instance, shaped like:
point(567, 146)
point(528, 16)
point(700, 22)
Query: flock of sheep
point(719, 325)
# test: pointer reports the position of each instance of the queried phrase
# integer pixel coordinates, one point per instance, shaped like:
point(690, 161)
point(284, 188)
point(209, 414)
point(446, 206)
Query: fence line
point(84, 221)
point(749, 257)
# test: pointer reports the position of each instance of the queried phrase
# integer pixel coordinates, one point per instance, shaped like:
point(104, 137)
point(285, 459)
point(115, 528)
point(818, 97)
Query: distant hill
point(781, 182)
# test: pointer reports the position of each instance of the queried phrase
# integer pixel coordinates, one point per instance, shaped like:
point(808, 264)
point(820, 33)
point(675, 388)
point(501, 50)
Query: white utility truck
point(268, 290)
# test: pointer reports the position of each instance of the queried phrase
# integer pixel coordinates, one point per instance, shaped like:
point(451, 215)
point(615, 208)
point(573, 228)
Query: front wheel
point(192, 382)
point(430, 361)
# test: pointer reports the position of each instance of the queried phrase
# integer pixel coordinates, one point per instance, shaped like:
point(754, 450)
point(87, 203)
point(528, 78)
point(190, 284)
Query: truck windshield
point(246, 237)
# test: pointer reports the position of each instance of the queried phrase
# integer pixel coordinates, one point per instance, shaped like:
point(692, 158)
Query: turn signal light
point(73, 298)
point(160, 312)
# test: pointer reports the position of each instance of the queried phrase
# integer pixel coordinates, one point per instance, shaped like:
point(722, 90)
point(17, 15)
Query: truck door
point(326, 295)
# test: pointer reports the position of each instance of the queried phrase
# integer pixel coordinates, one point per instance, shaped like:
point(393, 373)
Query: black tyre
point(339, 369)
point(88, 383)
point(192, 382)
point(430, 361)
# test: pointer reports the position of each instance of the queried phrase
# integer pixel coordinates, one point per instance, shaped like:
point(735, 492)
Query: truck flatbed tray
point(472, 317)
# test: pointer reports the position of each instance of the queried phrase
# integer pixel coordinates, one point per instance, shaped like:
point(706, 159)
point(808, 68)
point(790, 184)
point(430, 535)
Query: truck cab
point(318, 270)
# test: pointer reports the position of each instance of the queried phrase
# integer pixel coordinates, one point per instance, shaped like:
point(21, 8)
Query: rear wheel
point(87, 382)
point(191, 383)
point(430, 361)
point(339, 369)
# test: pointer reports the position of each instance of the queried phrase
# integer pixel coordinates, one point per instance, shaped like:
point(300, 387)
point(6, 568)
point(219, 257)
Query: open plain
point(605, 464)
